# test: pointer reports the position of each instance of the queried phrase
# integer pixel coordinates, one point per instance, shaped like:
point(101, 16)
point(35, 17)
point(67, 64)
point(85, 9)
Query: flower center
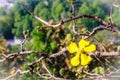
point(80, 51)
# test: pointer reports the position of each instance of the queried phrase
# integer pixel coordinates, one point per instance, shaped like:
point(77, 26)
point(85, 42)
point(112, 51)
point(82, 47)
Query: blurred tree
point(6, 25)
point(2, 11)
point(93, 8)
point(116, 16)
point(42, 10)
point(57, 10)
point(23, 21)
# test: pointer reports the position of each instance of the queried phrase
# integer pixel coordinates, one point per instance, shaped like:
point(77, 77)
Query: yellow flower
point(75, 60)
point(80, 52)
point(85, 59)
point(72, 48)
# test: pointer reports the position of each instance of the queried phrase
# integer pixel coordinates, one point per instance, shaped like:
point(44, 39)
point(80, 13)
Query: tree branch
point(113, 53)
point(18, 71)
point(13, 55)
point(63, 21)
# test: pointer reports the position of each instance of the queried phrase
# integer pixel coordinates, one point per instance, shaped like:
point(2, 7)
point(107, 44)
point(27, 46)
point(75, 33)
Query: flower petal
point(85, 59)
point(72, 48)
point(90, 48)
point(82, 43)
point(75, 61)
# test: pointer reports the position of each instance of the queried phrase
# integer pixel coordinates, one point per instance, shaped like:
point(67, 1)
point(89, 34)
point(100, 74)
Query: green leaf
point(61, 71)
point(25, 66)
point(99, 70)
point(53, 45)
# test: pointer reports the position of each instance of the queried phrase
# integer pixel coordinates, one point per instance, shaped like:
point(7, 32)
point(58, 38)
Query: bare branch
point(98, 28)
point(38, 18)
point(38, 60)
point(13, 55)
point(22, 43)
point(49, 75)
point(113, 72)
point(59, 53)
point(44, 66)
point(106, 53)
point(91, 74)
point(73, 15)
point(18, 71)
point(88, 16)
point(66, 20)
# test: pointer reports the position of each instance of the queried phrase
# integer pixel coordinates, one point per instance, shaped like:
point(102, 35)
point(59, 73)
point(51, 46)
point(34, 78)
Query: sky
point(5, 3)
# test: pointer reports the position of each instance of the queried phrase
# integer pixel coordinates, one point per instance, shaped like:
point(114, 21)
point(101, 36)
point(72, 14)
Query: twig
point(38, 60)
point(99, 61)
point(22, 43)
point(52, 76)
point(58, 54)
point(106, 53)
point(100, 44)
point(13, 55)
point(18, 71)
point(38, 18)
point(49, 75)
point(94, 31)
point(66, 20)
point(117, 4)
point(90, 73)
point(113, 72)
point(44, 66)
point(73, 15)
point(101, 27)
point(110, 64)
point(43, 76)
point(88, 16)
point(115, 76)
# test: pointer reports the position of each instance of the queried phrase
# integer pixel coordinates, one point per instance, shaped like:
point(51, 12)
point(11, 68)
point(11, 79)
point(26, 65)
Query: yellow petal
point(75, 61)
point(12, 72)
point(82, 43)
point(90, 48)
point(85, 59)
point(72, 48)
point(79, 51)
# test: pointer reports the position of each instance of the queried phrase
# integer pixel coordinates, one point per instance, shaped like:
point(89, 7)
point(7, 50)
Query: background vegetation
point(17, 21)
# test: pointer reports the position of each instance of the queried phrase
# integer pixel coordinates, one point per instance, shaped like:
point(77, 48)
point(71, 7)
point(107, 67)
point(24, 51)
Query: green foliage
point(45, 12)
point(49, 40)
point(42, 41)
point(99, 70)
point(93, 8)
point(23, 21)
point(49, 9)
point(115, 17)
point(30, 77)
point(6, 25)
point(2, 11)
point(13, 48)
point(38, 38)
point(53, 45)
point(57, 10)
